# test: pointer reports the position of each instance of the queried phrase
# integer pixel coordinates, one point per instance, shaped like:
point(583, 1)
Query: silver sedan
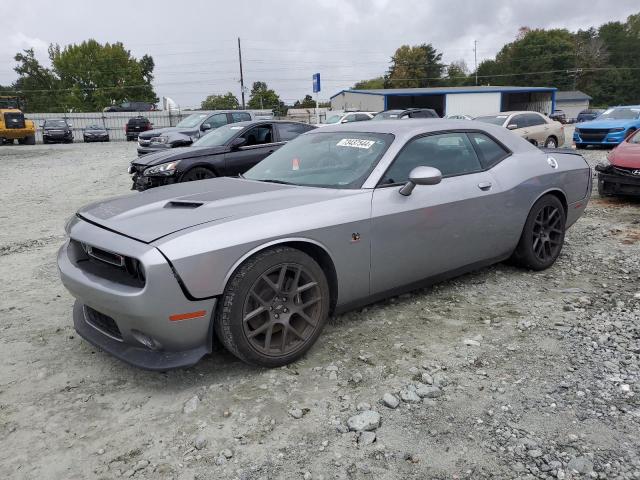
point(337, 218)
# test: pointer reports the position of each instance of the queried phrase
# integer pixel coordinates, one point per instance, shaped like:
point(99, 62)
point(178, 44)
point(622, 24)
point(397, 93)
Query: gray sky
point(284, 42)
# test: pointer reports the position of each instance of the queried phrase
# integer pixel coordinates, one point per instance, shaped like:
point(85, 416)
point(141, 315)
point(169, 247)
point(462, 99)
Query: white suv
point(334, 118)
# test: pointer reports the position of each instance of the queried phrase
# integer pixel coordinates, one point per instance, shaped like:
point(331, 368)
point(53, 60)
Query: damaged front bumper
point(142, 182)
point(614, 180)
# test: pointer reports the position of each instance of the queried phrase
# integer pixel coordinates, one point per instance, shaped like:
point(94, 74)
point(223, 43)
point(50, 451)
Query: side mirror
point(344, 120)
point(205, 126)
point(512, 126)
point(421, 176)
point(238, 142)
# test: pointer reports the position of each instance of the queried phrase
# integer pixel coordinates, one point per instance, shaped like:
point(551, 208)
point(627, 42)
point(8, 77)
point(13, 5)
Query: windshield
point(333, 119)
point(192, 120)
point(635, 138)
point(493, 119)
point(219, 136)
point(95, 127)
point(388, 114)
point(330, 160)
point(55, 123)
point(620, 114)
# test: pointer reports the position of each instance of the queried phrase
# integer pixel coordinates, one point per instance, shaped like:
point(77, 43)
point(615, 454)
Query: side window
point(519, 120)
point(350, 118)
point(534, 119)
point(361, 117)
point(259, 135)
point(217, 120)
point(490, 152)
point(289, 131)
point(240, 117)
point(451, 153)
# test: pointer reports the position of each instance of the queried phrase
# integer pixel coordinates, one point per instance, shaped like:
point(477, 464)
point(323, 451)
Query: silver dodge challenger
point(339, 217)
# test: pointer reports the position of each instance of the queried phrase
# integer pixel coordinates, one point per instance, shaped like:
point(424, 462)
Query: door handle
point(485, 186)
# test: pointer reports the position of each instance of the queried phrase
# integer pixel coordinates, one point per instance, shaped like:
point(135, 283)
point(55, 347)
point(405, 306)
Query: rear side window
point(489, 151)
point(217, 120)
point(532, 120)
point(240, 117)
point(362, 117)
point(289, 131)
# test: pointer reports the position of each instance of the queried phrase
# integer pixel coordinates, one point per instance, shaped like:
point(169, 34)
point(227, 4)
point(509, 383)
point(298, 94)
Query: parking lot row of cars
point(60, 130)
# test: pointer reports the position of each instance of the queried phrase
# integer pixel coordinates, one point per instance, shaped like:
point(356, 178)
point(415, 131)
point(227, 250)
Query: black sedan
point(95, 133)
point(56, 130)
point(226, 151)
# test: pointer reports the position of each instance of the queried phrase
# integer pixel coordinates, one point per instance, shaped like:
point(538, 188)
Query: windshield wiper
point(282, 182)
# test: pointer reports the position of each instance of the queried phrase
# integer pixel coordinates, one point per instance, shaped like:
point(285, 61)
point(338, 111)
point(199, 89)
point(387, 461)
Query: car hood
point(158, 212)
point(606, 124)
point(164, 131)
point(626, 155)
point(171, 155)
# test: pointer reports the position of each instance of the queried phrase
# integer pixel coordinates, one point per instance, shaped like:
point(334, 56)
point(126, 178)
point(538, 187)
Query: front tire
point(197, 173)
point(551, 142)
point(543, 235)
point(273, 308)
point(30, 140)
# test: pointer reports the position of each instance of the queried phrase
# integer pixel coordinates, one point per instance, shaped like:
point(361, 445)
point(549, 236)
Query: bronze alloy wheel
point(282, 311)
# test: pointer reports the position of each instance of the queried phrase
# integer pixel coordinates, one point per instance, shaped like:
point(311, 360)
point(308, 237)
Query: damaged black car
point(226, 151)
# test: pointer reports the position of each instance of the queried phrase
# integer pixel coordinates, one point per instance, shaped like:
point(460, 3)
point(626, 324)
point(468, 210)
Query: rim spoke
point(283, 344)
point(259, 330)
point(535, 243)
point(306, 318)
point(267, 337)
point(296, 281)
point(254, 313)
point(258, 298)
point(306, 287)
point(308, 303)
point(296, 333)
point(268, 281)
point(281, 277)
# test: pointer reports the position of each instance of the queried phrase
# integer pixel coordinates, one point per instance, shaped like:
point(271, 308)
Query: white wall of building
point(474, 104)
point(357, 101)
point(572, 108)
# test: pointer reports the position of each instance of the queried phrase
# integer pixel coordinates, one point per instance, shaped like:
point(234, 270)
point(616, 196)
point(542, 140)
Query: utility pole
point(475, 58)
point(241, 77)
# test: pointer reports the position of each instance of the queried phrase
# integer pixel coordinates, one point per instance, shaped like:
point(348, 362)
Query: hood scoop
point(183, 204)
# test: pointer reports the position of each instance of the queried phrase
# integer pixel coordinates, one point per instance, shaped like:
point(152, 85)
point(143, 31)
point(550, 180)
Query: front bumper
point(141, 182)
point(611, 182)
point(609, 139)
point(146, 337)
point(96, 138)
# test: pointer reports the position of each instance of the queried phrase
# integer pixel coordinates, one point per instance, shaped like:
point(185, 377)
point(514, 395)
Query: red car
point(622, 175)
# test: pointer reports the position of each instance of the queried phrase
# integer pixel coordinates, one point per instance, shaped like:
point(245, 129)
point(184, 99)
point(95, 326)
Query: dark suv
point(398, 114)
point(188, 130)
point(56, 130)
point(136, 125)
point(130, 107)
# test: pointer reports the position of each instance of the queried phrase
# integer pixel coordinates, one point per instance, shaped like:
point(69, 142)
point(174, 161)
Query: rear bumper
point(140, 315)
point(611, 183)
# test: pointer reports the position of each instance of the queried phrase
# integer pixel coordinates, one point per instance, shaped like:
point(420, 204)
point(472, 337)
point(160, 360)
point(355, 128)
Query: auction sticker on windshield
point(355, 143)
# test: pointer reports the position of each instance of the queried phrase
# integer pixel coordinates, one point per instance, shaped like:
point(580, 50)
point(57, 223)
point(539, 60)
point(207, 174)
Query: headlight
point(616, 130)
point(162, 169)
point(159, 139)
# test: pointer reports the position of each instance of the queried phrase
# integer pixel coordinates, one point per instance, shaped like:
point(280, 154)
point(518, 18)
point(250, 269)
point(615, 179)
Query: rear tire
point(30, 140)
point(542, 236)
point(580, 145)
point(197, 173)
point(551, 142)
point(273, 308)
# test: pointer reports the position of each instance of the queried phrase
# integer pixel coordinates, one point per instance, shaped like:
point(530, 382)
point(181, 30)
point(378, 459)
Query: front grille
point(628, 171)
point(103, 323)
point(14, 120)
point(127, 270)
point(593, 134)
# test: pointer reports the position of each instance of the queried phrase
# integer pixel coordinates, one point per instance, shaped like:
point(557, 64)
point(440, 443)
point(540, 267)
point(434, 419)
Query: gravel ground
point(502, 373)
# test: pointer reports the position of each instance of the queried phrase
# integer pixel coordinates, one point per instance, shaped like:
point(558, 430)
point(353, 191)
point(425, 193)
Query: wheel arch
point(316, 250)
point(556, 192)
point(208, 166)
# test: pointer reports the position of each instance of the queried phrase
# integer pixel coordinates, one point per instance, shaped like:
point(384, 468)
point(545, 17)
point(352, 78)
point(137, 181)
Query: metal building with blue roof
point(473, 101)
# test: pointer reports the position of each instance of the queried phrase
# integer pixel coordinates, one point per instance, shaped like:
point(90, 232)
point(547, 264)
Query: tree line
point(85, 77)
point(602, 62)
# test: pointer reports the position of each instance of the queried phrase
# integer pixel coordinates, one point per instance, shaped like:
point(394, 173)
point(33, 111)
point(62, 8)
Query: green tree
point(38, 85)
point(417, 66)
point(306, 102)
point(94, 76)
point(228, 101)
point(262, 97)
point(371, 84)
point(457, 74)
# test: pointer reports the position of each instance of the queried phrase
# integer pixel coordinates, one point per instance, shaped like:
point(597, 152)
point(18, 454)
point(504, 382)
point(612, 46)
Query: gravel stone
point(365, 421)
point(390, 400)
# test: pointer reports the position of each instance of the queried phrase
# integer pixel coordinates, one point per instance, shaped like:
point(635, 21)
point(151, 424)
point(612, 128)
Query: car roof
point(257, 122)
point(511, 112)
